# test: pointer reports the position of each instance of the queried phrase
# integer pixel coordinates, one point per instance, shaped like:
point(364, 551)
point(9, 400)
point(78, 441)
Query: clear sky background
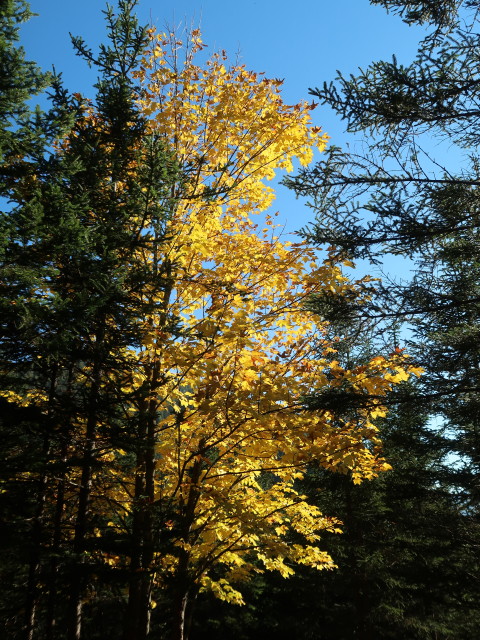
point(302, 42)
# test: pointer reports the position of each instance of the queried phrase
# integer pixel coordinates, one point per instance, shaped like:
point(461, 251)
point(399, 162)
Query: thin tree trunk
point(360, 584)
point(179, 617)
point(50, 621)
point(183, 605)
point(137, 624)
point(74, 614)
point(56, 542)
point(32, 583)
point(133, 614)
point(184, 588)
point(181, 599)
point(148, 550)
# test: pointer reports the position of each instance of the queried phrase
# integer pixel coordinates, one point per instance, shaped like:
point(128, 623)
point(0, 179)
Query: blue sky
point(304, 43)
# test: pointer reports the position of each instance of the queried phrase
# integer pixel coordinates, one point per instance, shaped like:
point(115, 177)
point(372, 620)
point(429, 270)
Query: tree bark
point(74, 614)
point(181, 597)
point(360, 583)
point(56, 542)
point(184, 589)
point(32, 583)
point(137, 624)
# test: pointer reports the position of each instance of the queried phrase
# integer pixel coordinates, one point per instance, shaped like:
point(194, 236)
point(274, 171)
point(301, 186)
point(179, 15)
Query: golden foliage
point(232, 437)
point(229, 351)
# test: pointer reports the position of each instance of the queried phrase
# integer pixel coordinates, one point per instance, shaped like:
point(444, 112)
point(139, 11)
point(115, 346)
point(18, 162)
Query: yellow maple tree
point(215, 391)
point(230, 351)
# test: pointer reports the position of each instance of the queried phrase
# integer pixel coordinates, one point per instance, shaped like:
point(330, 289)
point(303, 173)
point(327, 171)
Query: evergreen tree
point(25, 136)
point(438, 12)
point(405, 559)
point(73, 281)
point(399, 199)
point(20, 81)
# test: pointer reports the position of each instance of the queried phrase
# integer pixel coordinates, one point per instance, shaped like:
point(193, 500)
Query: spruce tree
point(399, 199)
point(26, 134)
point(402, 196)
point(405, 558)
point(93, 192)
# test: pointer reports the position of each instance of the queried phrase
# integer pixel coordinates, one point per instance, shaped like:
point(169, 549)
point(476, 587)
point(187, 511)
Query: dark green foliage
point(449, 287)
point(19, 81)
point(25, 133)
point(397, 198)
point(408, 558)
point(406, 555)
point(437, 12)
point(24, 136)
point(73, 278)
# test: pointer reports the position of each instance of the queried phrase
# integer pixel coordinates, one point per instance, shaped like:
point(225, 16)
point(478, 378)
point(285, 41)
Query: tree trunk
point(31, 602)
point(135, 616)
point(137, 624)
point(74, 614)
point(56, 542)
point(32, 584)
point(185, 595)
point(181, 600)
point(179, 617)
point(360, 583)
point(184, 589)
